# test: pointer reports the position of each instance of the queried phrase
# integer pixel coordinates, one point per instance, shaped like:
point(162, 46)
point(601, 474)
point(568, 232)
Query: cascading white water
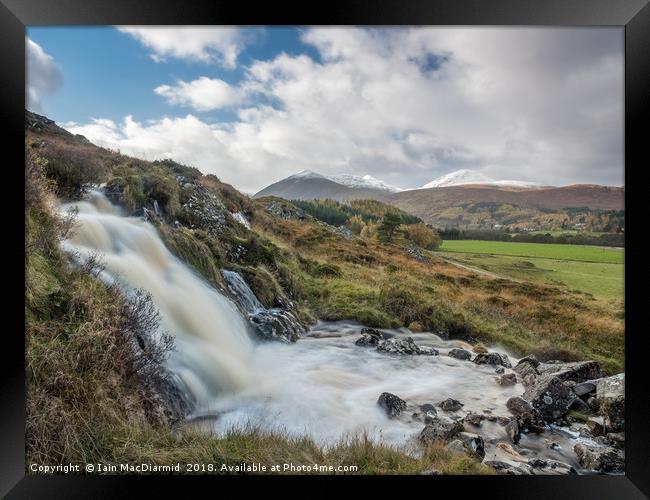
point(323, 385)
point(213, 344)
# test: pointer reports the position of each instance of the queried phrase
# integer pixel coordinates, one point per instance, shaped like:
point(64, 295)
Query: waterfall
point(213, 342)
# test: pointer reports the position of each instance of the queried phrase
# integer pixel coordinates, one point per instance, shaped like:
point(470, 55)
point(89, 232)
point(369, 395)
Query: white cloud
point(44, 76)
point(197, 43)
point(408, 105)
point(202, 94)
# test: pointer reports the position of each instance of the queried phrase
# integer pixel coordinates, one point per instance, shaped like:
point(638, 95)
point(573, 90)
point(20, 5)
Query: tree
point(423, 236)
point(389, 225)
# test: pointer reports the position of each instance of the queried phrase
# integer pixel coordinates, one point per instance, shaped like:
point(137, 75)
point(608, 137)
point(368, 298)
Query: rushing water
point(213, 342)
point(323, 385)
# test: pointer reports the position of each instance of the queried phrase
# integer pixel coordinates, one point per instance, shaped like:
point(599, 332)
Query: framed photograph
point(387, 239)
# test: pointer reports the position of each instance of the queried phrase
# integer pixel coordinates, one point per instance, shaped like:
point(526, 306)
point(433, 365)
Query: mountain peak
point(466, 176)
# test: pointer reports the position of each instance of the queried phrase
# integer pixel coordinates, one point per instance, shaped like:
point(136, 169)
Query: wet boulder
point(513, 430)
point(528, 417)
point(585, 389)
point(600, 458)
point(506, 379)
point(369, 337)
point(440, 428)
point(395, 345)
point(610, 395)
point(461, 354)
point(475, 419)
point(492, 358)
point(450, 404)
point(550, 396)
point(391, 404)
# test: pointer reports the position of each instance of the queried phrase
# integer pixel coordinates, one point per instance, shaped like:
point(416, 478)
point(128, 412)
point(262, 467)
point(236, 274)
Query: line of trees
point(583, 238)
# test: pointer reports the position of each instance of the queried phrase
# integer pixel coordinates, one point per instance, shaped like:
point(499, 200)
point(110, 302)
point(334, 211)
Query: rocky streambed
point(408, 389)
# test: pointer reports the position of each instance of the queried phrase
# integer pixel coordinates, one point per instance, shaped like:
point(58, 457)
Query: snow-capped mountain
point(350, 180)
point(465, 176)
point(363, 181)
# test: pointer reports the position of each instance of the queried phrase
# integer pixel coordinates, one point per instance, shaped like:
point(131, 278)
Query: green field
point(556, 251)
point(599, 279)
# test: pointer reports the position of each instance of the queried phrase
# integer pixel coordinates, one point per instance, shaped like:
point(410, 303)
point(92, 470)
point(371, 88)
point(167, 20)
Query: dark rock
point(584, 388)
point(369, 338)
point(602, 459)
point(581, 407)
point(503, 420)
point(595, 426)
point(550, 396)
point(392, 404)
point(461, 354)
point(542, 466)
point(405, 345)
point(440, 428)
point(474, 419)
point(500, 370)
point(473, 444)
point(507, 379)
point(610, 394)
point(492, 358)
point(450, 405)
point(428, 408)
point(277, 324)
point(513, 431)
point(519, 406)
point(528, 417)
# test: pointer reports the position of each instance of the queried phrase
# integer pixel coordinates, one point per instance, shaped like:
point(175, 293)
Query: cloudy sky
point(405, 105)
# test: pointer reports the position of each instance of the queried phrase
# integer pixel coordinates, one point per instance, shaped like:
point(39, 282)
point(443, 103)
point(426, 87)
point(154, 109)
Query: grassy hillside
point(597, 208)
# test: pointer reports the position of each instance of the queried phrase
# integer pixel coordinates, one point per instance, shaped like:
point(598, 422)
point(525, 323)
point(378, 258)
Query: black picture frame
point(633, 15)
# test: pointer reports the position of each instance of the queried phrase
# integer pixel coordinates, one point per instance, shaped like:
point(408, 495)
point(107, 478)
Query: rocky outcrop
point(610, 395)
point(391, 404)
point(440, 428)
point(284, 210)
point(601, 458)
point(529, 368)
point(492, 358)
point(405, 345)
point(202, 209)
point(417, 255)
point(461, 354)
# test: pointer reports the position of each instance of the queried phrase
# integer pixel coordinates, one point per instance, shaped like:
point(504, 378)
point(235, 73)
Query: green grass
point(582, 253)
point(602, 280)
